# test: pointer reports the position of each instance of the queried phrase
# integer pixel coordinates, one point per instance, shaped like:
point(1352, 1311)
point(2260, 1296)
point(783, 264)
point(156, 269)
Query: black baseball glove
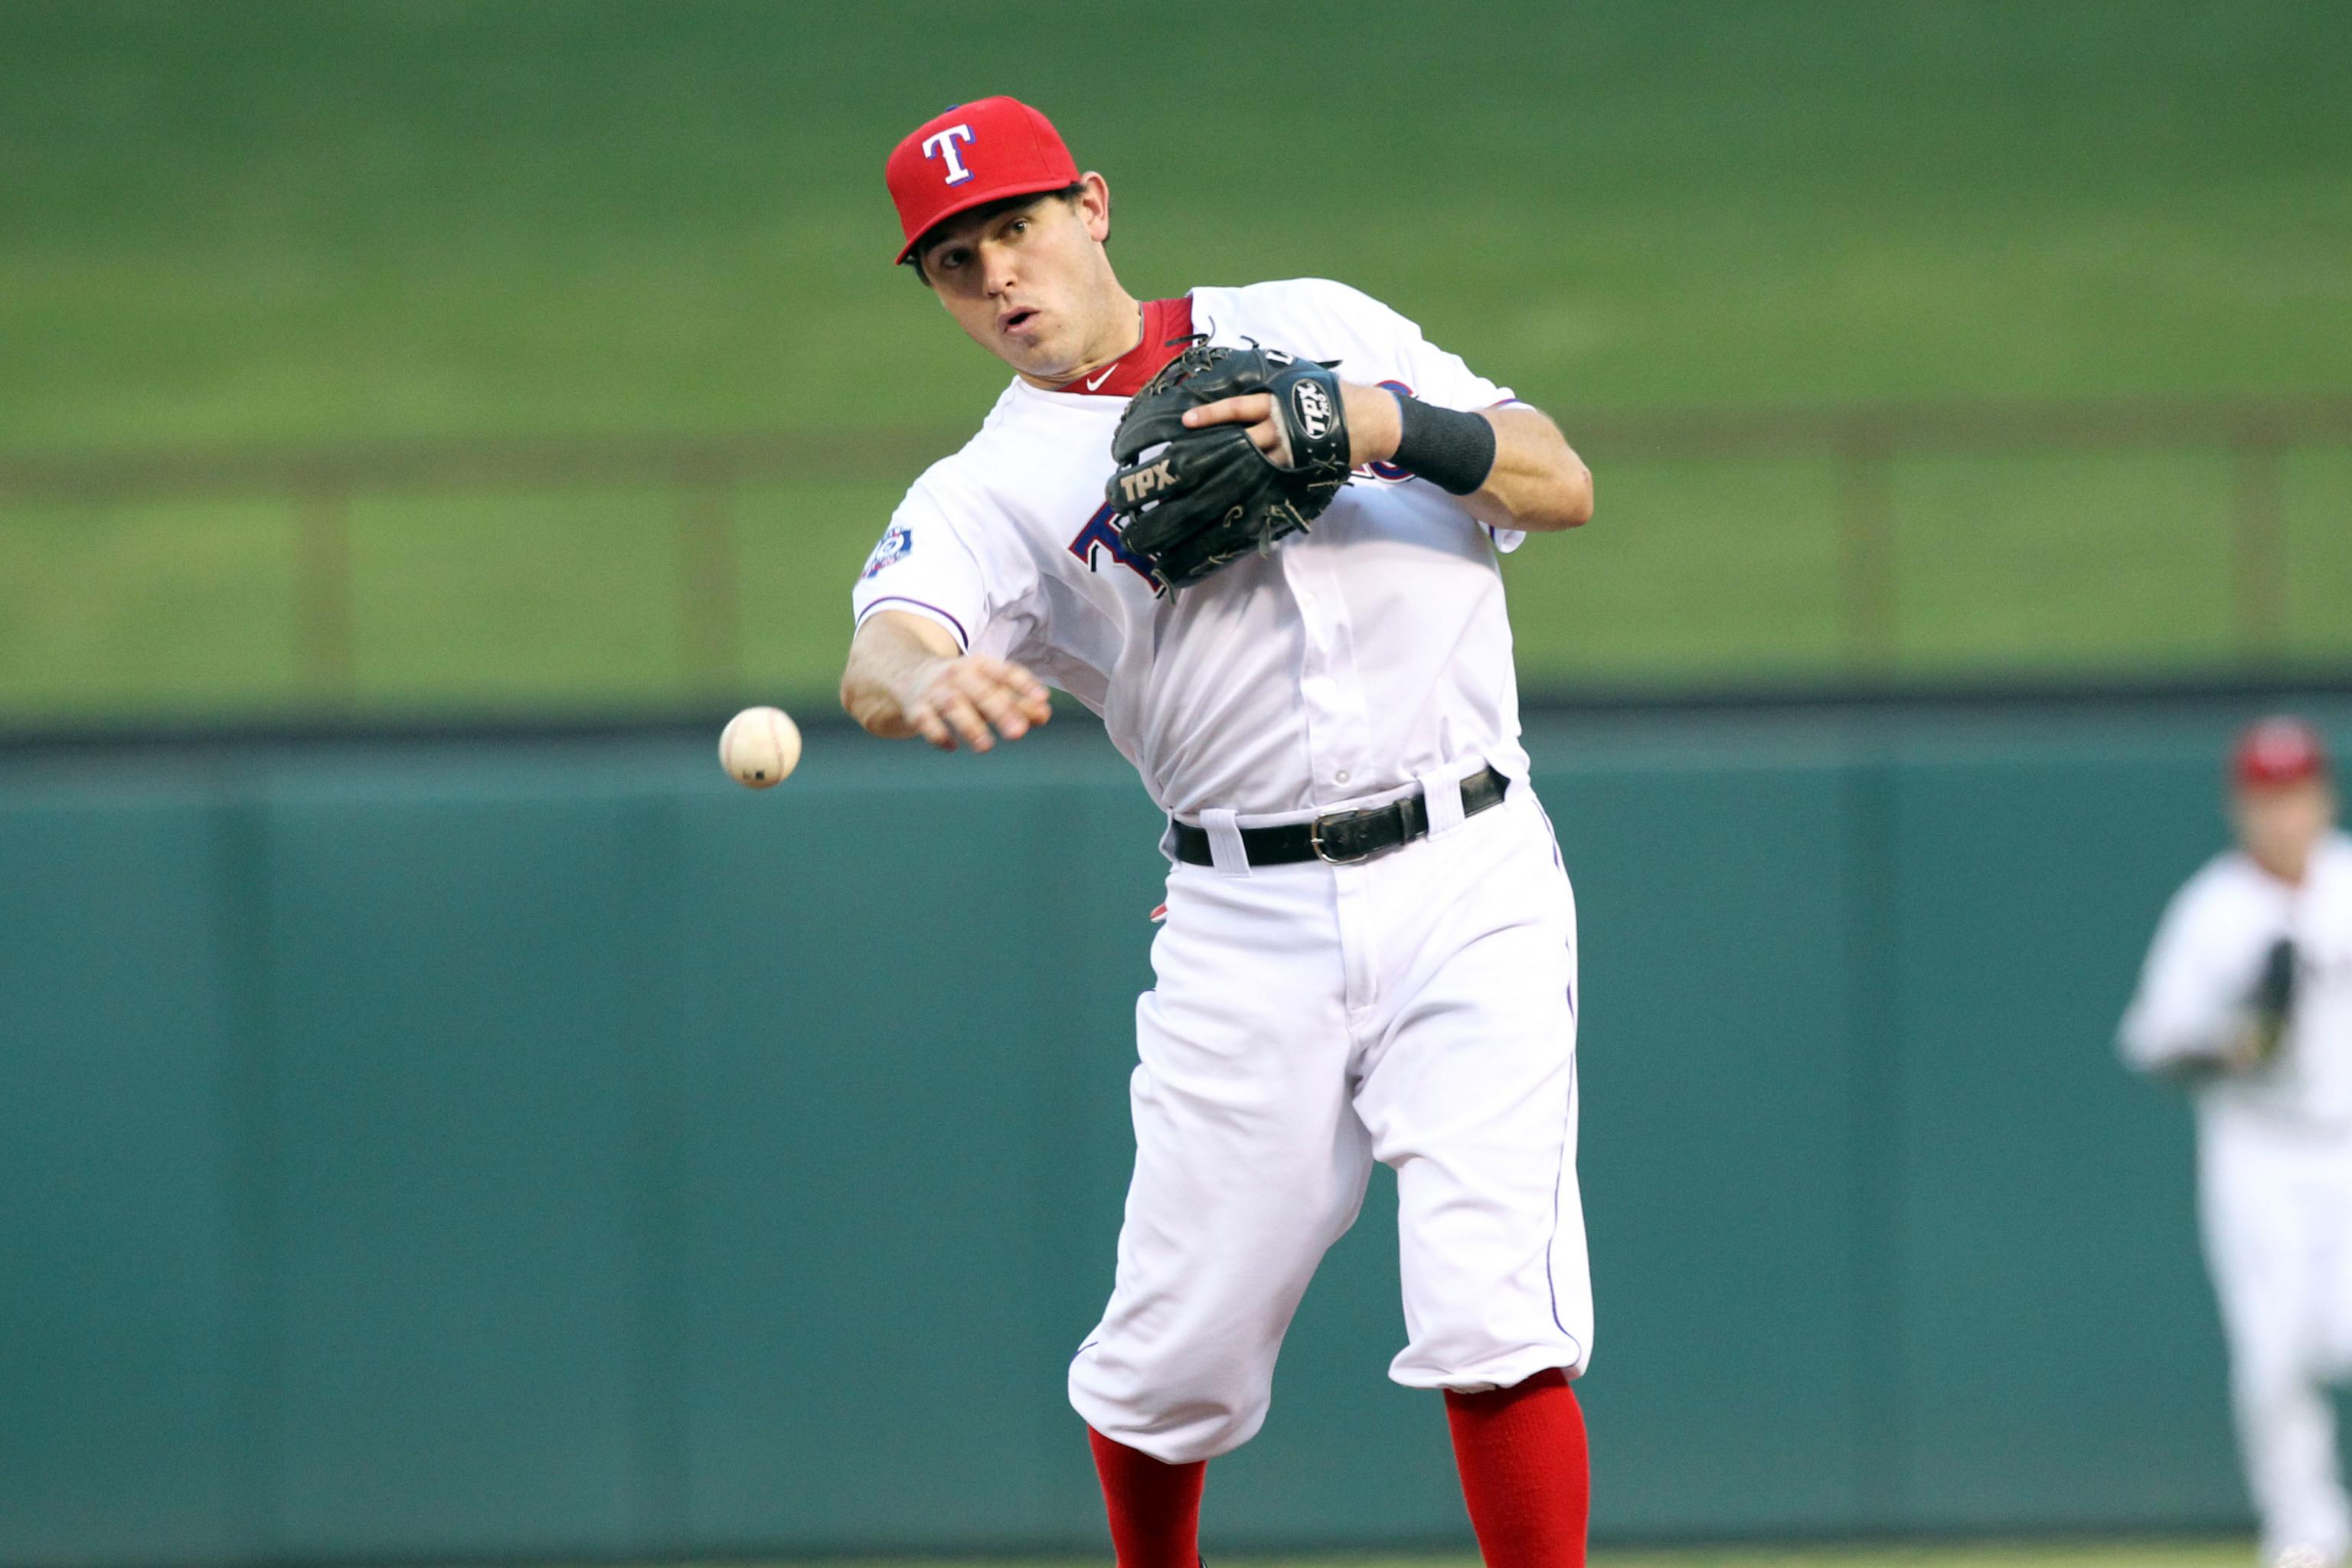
point(1187, 502)
point(2271, 1004)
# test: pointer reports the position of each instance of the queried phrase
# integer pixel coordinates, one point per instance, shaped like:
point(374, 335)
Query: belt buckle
point(1345, 822)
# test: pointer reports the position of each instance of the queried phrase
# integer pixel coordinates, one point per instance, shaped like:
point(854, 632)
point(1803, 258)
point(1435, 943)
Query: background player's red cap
point(973, 154)
point(2277, 751)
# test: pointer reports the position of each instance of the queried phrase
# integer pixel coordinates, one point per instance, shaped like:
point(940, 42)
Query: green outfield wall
point(543, 1148)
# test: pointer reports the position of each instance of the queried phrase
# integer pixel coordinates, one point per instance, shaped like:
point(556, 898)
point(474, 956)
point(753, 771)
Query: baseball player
point(2247, 998)
point(1275, 581)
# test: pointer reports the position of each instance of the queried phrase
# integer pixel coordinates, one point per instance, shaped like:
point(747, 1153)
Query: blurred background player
point(2247, 997)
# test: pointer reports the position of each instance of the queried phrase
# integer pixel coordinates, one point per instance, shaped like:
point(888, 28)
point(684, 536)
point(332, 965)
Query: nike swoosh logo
point(1092, 382)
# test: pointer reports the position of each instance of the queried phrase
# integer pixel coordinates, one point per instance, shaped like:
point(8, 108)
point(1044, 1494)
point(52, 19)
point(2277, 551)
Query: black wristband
point(1452, 450)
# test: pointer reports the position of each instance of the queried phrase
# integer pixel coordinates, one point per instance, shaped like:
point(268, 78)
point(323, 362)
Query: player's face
point(2279, 825)
point(1033, 286)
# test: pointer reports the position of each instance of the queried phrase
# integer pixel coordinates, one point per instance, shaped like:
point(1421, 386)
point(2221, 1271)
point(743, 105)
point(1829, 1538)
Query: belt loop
point(1441, 801)
point(1226, 852)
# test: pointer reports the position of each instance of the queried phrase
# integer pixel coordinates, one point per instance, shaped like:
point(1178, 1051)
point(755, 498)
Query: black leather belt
point(1342, 837)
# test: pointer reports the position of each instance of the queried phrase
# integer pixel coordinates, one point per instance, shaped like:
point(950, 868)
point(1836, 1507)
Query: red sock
point(1154, 1507)
point(1525, 1472)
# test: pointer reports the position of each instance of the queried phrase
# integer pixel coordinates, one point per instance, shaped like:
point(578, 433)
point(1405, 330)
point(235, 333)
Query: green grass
point(369, 220)
point(2154, 1554)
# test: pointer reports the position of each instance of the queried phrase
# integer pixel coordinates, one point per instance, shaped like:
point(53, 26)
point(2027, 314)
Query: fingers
point(1256, 411)
point(964, 720)
point(927, 723)
point(1246, 410)
point(975, 699)
point(943, 712)
point(1030, 698)
point(998, 706)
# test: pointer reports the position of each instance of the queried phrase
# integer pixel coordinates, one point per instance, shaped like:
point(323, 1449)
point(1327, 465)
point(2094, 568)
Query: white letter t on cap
point(943, 145)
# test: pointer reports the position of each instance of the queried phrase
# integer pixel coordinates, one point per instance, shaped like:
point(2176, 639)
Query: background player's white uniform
point(1418, 1008)
point(2274, 1165)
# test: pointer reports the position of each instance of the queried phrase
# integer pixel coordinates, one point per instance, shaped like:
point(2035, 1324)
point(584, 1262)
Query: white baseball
point(760, 747)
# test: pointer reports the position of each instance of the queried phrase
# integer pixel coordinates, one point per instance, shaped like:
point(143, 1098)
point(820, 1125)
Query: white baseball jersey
point(2274, 1169)
point(2208, 950)
point(1336, 669)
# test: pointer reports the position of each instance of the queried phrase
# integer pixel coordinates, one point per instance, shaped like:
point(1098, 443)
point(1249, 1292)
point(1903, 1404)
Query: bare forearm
point(905, 677)
point(886, 659)
point(1538, 483)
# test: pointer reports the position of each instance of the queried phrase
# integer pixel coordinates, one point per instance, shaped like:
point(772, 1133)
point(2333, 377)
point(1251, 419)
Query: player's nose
point(996, 267)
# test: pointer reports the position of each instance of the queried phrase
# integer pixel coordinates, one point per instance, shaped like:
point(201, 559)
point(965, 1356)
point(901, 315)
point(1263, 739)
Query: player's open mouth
point(1017, 320)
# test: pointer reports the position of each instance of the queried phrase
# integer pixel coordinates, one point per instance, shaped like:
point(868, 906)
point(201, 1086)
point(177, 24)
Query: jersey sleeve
point(1410, 363)
point(2189, 989)
point(940, 560)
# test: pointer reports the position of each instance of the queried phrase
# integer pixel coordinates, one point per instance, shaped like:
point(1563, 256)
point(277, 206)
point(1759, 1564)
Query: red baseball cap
point(2280, 750)
point(974, 154)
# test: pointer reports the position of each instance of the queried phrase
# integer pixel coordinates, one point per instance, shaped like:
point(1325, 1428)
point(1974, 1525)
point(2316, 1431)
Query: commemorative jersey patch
point(897, 541)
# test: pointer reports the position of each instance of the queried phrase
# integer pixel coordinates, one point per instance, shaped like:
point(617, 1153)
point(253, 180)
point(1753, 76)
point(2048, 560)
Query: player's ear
point(1094, 205)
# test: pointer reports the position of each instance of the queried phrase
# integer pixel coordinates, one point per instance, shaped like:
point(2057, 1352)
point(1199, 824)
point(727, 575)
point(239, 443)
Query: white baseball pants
point(1417, 1009)
point(2277, 1221)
